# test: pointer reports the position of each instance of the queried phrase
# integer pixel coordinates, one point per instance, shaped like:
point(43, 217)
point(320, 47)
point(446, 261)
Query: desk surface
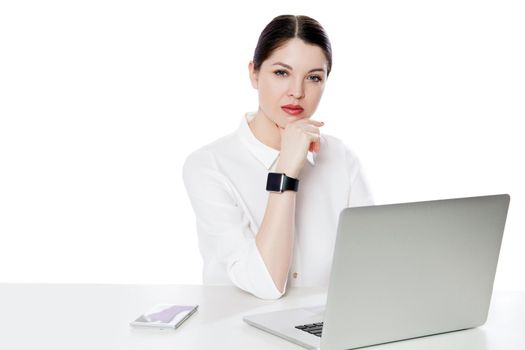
point(84, 316)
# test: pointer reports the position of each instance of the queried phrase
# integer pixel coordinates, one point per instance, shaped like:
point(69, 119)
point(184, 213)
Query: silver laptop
point(402, 271)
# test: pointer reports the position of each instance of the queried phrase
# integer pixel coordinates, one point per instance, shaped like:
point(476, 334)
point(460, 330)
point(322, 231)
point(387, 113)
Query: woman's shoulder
point(331, 141)
point(337, 152)
point(207, 154)
point(335, 144)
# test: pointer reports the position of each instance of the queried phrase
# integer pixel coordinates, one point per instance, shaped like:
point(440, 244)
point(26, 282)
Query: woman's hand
point(297, 138)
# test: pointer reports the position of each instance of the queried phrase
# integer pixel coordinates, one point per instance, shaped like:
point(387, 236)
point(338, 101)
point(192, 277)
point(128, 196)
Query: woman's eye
point(281, 73)
point(315, 78)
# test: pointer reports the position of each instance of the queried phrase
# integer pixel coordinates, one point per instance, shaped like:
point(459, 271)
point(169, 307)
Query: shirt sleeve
point(359, 194)
point(226, 238)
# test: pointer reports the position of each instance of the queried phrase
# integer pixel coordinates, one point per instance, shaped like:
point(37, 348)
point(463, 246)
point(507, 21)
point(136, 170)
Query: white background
point(101, 101)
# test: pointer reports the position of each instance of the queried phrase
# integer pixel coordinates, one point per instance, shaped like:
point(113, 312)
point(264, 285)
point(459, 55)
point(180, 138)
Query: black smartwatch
point(279, 182)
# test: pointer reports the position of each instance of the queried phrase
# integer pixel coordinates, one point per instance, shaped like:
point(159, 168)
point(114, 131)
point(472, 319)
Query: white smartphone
point(165, 316)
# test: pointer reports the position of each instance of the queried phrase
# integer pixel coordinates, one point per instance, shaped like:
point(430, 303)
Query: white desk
point(48, 316)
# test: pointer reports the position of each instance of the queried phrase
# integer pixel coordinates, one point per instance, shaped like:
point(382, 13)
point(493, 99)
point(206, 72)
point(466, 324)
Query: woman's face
point(290, 82)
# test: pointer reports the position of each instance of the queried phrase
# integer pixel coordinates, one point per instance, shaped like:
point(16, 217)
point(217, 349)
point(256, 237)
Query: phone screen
point(166, 314)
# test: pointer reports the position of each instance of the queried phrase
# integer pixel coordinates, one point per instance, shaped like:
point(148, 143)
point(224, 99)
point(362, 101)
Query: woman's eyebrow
point(283, 64)
point(290, 67)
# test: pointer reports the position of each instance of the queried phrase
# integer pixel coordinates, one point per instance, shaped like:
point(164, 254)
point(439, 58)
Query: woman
point(253, 232)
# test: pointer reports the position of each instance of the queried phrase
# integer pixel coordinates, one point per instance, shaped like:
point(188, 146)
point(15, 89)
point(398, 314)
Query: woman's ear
point(254, 76)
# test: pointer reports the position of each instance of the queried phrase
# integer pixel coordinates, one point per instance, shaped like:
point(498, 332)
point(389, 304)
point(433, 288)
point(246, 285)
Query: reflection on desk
point(86, 316)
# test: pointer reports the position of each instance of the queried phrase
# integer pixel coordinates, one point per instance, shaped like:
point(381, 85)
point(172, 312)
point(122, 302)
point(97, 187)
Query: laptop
point(402, 271)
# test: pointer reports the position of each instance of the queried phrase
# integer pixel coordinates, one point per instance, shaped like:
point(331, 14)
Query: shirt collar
point(265, 154)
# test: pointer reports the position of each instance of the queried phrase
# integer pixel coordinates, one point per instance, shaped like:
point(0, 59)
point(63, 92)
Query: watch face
point(274, 182)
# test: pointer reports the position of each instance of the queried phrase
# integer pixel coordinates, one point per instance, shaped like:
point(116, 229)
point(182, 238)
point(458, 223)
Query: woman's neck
point(265, 130)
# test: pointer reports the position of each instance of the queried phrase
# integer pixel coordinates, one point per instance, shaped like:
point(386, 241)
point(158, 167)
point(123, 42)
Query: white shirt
point(226, 184)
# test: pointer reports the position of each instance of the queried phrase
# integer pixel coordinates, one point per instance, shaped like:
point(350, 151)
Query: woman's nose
point(296, 89)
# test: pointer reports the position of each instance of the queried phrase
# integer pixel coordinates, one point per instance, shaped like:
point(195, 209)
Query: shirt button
point(294, 275)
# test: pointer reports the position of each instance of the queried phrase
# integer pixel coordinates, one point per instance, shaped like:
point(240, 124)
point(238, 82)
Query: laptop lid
point(408, 270)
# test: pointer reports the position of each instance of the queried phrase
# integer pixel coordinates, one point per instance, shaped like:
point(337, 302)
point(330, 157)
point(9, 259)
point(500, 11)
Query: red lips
point(293, 109)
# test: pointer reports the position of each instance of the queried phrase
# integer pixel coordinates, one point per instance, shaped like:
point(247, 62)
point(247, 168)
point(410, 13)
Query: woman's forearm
point(275, 239)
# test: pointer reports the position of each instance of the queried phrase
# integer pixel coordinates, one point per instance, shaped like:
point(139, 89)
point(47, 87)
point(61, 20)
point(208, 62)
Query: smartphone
point(165, 316)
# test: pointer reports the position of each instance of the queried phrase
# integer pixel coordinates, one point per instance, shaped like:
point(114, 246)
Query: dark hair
point(286, 27)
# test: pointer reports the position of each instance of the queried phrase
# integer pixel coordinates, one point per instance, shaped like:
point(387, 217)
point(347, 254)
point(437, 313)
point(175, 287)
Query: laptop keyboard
point(312, 328)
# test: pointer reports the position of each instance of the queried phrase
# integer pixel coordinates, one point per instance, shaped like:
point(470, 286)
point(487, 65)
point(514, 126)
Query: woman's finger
point(314, 122)
point(315, 142)
point(315, 146)
point(311, 129)
point(305, 121)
